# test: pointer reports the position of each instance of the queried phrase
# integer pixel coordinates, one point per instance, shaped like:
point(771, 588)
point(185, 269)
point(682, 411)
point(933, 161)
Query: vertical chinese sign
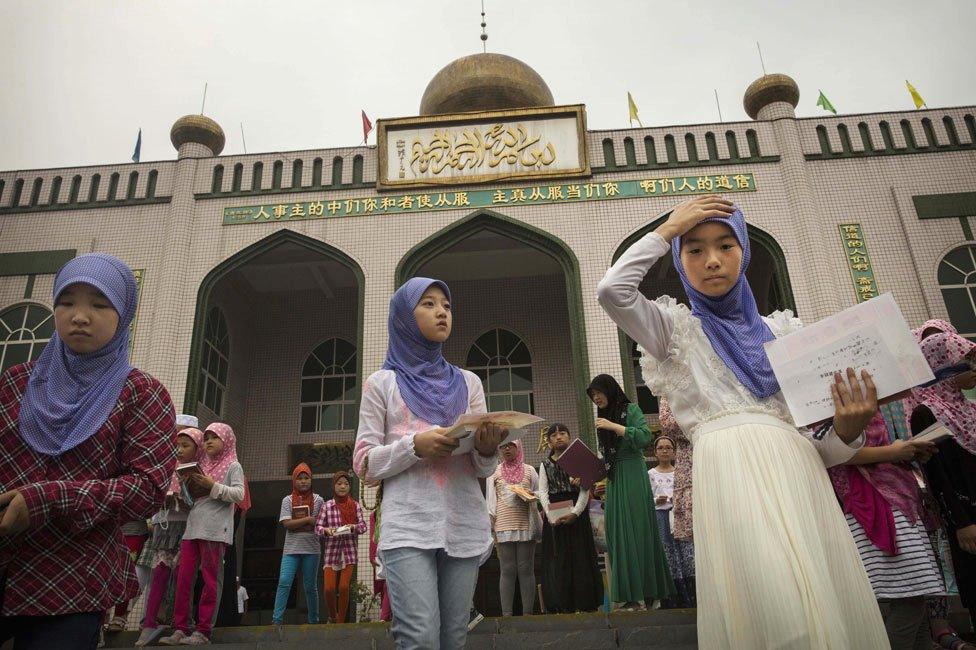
point(858, 261)
point(139, 274)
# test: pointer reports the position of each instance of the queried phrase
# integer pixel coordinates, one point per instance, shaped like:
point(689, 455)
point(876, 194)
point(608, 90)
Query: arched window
point(24, 331)
point(213, 364)
point(503, 363)
point(330, 392)
point(645, 399)
point(957, 280)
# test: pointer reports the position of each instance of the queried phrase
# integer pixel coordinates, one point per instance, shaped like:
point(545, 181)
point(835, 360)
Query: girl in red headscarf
point(341, 523)
point(302, 548)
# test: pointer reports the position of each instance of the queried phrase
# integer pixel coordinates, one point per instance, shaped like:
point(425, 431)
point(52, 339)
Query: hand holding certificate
point(463, 430)
point(872, 335)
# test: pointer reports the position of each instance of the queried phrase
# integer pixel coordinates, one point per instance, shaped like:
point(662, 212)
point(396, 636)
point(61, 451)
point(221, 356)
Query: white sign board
point(482, 147)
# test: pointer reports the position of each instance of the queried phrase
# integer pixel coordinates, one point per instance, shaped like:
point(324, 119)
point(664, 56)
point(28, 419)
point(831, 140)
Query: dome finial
point(484, 34)
point(771, 96)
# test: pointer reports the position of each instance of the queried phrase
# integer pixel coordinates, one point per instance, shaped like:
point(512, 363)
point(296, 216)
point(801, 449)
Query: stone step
point(657, 629)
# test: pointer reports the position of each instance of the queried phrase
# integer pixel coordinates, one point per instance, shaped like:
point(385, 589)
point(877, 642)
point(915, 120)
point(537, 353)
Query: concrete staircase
point(673, 629)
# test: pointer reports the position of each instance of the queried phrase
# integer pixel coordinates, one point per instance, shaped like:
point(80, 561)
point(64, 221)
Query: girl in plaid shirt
point(85, 442)
point(340, 547)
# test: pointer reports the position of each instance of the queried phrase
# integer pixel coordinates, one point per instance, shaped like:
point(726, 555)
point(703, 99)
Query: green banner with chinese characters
point(858, 261)
point(535, 195)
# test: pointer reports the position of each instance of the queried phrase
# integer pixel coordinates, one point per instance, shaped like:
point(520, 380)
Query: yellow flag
point(633, 109)
point(919, 102)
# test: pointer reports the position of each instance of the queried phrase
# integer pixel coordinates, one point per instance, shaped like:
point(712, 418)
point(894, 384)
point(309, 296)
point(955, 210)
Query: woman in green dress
point(638, 565)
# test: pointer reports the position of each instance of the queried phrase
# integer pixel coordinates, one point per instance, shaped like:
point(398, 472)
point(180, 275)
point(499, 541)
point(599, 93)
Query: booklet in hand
point(558, 510)
point(580, 462)
point(342, 530)
point(934, 433)
point(522, 493)
point(466, 425)
point(300, 512)
point(185, 470)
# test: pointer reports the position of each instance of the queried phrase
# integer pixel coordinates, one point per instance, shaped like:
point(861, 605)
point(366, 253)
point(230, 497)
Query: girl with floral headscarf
point(775, 565)
point(951, 473)
point(209, 530)
point(515, 525)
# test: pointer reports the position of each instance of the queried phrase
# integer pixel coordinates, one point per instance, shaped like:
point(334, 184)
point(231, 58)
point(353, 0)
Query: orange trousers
point(338, 581)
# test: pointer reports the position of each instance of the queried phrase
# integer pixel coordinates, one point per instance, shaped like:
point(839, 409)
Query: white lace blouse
point(679, 362)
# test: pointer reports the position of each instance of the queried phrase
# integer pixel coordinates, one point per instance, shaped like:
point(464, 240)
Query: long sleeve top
point(427, 503)
point(212, 517)
point(543, 493)
point(71, 558)
point(509, 512)
point(678, 361)
point(340, 551)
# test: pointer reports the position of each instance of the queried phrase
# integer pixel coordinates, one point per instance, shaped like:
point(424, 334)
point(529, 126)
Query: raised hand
point(692, 212)
point(853, 406)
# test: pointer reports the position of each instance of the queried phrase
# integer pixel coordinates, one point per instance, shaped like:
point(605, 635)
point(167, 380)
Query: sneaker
point(475, 617)
point(117, 624)
point(197, 638)
point(149, 635)
point(176, 638)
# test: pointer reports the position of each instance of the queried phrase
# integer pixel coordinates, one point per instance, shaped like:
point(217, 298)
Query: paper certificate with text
point(466, 425)
point(872, 335)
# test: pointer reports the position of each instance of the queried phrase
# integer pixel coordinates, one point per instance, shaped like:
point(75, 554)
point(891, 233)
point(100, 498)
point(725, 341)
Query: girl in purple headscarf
point(774, 560)
point(86, 442)
point(435, 521)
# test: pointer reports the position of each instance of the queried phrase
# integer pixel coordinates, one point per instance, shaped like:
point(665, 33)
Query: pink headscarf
point(513, 471)
point(869, 492)
point(947, 403)
point(197, 437)
point(216, 467)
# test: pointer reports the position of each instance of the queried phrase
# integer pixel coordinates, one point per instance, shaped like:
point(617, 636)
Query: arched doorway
point(277, 354)
point(767, 274)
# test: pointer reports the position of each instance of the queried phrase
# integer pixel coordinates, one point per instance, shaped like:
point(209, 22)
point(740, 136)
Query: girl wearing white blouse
point(435, 525)
point(776, 566)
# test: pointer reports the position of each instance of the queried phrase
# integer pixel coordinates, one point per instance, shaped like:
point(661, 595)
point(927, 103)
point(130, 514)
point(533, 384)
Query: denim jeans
point(290, 564)
point(430, 594)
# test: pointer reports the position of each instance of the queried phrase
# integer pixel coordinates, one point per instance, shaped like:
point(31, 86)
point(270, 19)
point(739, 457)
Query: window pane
point(16, 353)
point(14, 318)
point(331, 418)
point(351, 389)
point(222, 372)
point(960, 309)
point(520, 354)
point(507, 342)
point(476, 357)
point(332, 390)
point(326, 352)
point(45, 329)
point(522, 378)
point(35, 315)
point(213, 363)
point(312, 367)
point(311, 390)
point(350, 420)
point(488, 342)
point(646, 400)
point(499, 402)
point(500, 381)
point(521, 403)
point(218, 400)
point(207, 393)
point(349, 367)
point(308, 418)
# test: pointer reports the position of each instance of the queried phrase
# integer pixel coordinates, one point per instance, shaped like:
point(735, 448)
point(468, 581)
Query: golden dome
point(767, 89)
point(484, 82)
point(199, 129)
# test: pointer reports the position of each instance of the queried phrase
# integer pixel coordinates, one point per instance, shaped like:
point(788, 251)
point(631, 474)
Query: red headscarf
point(298, 498)
point(346, 504)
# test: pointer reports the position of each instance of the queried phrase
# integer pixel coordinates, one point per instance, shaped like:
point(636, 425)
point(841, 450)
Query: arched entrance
point(767, 274)
point(277, 354)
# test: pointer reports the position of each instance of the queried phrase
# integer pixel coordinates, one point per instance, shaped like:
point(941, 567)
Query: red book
point(579, 462)
point(300, 512)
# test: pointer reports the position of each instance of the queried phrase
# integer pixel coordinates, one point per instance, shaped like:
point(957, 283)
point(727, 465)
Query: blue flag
point(136, 153)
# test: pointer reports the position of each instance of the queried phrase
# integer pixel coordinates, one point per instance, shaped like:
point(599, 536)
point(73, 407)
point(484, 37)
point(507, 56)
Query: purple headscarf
point(434, 390)
point(70, 396)
point(732, 323)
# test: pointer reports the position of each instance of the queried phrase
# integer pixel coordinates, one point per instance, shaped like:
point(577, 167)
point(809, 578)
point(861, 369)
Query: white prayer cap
point(183, 420)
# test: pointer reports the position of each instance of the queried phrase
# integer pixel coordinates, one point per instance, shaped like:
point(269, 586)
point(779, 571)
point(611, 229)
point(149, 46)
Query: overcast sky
point(80, 77)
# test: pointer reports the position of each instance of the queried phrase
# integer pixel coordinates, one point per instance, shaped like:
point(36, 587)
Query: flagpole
point(203, 105)
point(242, 137)
point(718, 106)
point(761, 62)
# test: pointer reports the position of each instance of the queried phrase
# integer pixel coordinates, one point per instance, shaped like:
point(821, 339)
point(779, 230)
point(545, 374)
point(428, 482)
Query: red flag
point(367, 127)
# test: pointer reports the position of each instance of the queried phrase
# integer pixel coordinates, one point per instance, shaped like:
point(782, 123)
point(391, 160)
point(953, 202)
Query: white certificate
point(872, 335)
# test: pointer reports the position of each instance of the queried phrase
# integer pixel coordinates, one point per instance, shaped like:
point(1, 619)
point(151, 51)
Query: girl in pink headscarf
point(516, 525)
point(951, 473)
point(209, 529)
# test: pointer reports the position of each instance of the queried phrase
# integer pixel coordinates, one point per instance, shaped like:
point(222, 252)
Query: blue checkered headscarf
point(732, 322)
point(70, 396)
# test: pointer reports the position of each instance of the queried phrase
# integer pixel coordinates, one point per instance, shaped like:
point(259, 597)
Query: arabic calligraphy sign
point(482, 147)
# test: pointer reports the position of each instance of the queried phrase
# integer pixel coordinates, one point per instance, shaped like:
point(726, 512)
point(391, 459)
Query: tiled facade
point(166, 218)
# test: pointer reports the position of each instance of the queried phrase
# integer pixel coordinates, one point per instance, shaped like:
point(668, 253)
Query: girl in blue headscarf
point(86, 441)
point(775, 562)
point(435, 521)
